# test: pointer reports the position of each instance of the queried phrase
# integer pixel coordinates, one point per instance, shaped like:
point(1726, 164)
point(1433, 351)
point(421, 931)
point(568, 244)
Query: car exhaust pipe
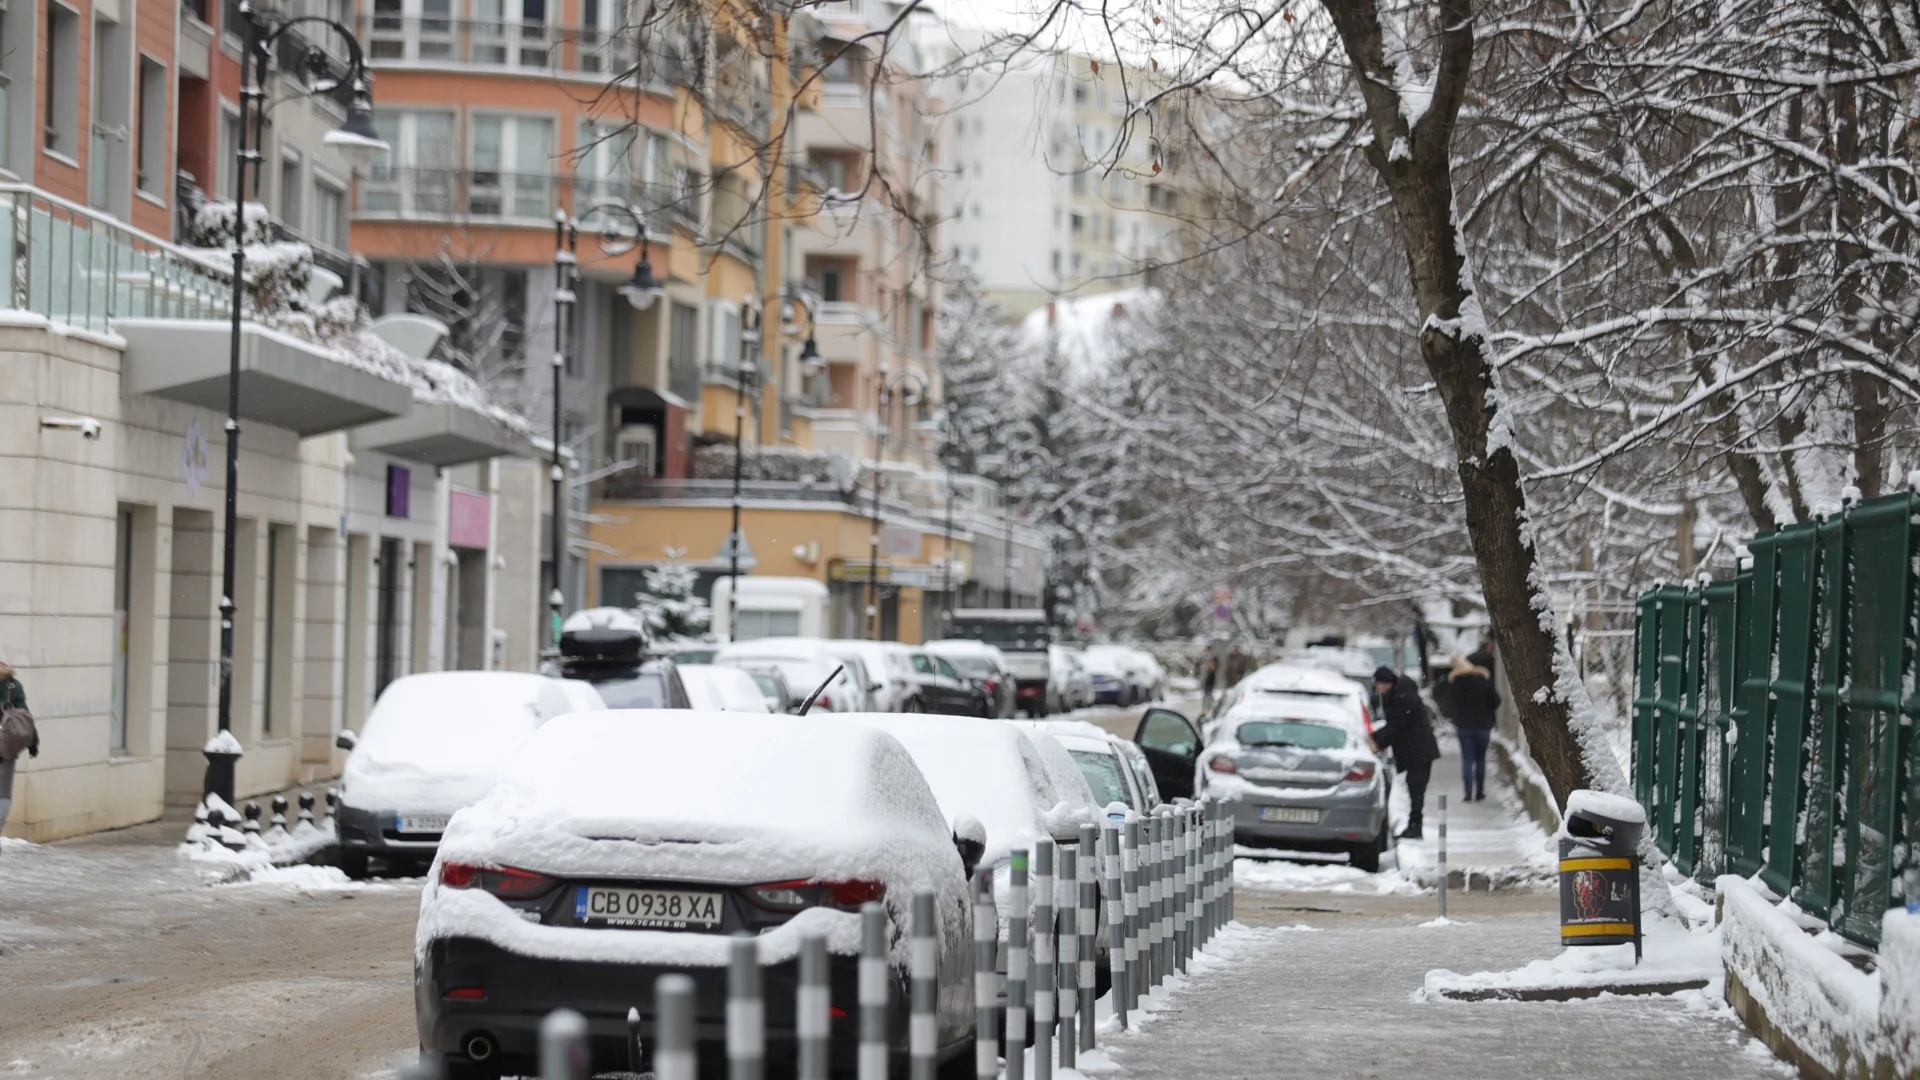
point(478, 1047)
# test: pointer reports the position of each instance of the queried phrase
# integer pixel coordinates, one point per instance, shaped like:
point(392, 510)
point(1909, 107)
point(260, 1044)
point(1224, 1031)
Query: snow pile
point(1830, 1009)
point(1900, 990)
point(439, 383)
point(1603, 804)
point(435, 742)
point(231, 854)
point(1674, 954)
point(613, 795)
point(1268, 872)
point(307, 878)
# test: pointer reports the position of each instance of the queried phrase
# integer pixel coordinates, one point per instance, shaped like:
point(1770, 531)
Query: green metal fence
point(1774, 715)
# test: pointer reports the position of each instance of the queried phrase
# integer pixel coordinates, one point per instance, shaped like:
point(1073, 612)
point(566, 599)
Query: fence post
point(812, 1025)
point(1088, 920)
point(1043, 972)
point(1178, 854)
point(1163, 899)
point(1130, 882)
point(1443, 856)
point(1018, 911)
point(1116, 921)
point(1066, 890)
point(874, 974)
point(636, 1053)
point(746, 1012)
point(673, 1054)
point(563, 1046)
point(1190, 878)
point(986, 935)
point(923, 972)
point(1203, 884)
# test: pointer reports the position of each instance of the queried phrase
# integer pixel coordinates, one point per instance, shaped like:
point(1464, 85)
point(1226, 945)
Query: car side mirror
point(970, 840)
point(874, 688)
point(346, 740)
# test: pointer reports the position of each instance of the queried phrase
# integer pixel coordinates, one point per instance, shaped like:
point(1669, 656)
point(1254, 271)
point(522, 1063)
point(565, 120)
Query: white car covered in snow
point(806, 663)
point(1277, 684)
point(609, 855)
point(1114, 769)
point(720, 688)
point(435, 742)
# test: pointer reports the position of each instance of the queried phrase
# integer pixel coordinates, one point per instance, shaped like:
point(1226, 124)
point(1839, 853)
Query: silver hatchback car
point(1301, 777)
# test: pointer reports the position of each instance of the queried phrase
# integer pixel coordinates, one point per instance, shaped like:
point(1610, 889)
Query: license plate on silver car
point(646, 909)
point(1292, 815)
point(420, 823)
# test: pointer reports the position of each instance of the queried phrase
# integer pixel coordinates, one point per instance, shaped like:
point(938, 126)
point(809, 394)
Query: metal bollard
point(1181, 815)
point(1162, 924)
point(1116, 920)
point(673, 1053)
point(1130, 883)
point(1066, 888)
point(986, 936)
point(746, 1012)
point(1150, 902)
point(1222, 864)
point(333, 803)
point(1043, 970)
point(1087, 919)
point(252, 812)
point(279, 822)
point(306, 808)
point(1443, 856)
point(873, 991)
point(1196, 818)
point(636, 1050)
point(1203, 877)
point(1018, 912)
point(812, 1024)
point(923, 975)
point(563, 1046)
point(1226, 913)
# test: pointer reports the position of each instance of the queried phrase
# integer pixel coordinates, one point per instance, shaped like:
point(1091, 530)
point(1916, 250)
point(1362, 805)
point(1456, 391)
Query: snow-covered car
point(1301, 777)
point(1107, 675)
point(601, 861)
point(1069, 685)
point(687, 653)
point(1355, 664)
point(806, 664)
point(942, 689)
point(719, 688)
point(1114, 769)
point(984, 666)
point(435, 742)
point(1291, 681)
point(890, 683)
point(774, 688)
point(1065, 773)
point(606, 648)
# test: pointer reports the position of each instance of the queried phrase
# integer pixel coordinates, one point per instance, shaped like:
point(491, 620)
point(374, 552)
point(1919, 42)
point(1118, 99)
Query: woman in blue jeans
point(1475, 703)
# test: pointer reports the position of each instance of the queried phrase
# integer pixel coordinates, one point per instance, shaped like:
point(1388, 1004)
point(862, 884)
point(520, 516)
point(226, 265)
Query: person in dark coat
point(12, 696)
point(1475, 703)
point(1407, 731)
point(1209, 674)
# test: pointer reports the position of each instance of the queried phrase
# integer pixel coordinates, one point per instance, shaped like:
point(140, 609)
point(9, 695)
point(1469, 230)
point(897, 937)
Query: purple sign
point(469, 519)
point(399, 491)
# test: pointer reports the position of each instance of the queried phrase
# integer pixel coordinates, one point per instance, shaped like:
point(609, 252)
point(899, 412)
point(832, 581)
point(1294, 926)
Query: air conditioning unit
point(639, 444)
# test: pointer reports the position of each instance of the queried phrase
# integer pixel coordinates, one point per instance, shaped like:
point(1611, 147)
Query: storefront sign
point(899, 543)
point(469, 520)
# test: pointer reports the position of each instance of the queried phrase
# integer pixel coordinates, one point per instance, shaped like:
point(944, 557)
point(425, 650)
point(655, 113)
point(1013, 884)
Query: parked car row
point(579, 852)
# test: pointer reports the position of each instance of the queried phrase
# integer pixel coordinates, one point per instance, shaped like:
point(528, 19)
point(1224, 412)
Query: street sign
point(736, 540)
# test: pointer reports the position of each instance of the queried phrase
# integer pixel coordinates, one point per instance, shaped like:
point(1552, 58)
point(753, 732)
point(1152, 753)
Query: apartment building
point(373, 513)
point(1054, 190)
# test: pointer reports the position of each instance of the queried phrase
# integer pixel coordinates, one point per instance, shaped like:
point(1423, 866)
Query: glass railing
point(63, 262)
point(495, 195)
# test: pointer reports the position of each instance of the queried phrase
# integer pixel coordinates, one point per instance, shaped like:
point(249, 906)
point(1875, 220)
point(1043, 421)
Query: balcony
point(534, 48)
point(443, 433)
point(442, 194)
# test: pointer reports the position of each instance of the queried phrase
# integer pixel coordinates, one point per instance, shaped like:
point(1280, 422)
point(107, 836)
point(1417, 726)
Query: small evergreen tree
point(669, 606)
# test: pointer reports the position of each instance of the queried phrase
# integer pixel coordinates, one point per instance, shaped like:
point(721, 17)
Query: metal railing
point(79, 269)
point(406, 191)
point(654, 489)
point(524, 46)
point(1774, 716)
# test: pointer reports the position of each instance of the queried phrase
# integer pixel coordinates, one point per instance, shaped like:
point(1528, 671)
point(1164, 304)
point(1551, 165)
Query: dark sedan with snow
point(1302, 778)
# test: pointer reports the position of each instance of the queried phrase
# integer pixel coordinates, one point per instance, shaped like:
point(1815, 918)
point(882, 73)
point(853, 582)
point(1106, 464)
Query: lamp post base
point(220, 769)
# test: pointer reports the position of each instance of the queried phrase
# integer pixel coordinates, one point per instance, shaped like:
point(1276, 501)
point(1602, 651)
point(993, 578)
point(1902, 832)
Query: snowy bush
point(669, 606)
point(829, 469)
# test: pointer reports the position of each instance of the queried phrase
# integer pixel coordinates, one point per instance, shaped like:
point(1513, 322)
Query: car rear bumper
point(1348, 819)
point(372, 832)
point(520, 991)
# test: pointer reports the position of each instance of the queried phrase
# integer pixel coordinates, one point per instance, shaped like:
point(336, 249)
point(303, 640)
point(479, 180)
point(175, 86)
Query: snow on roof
point(1604, 804)
point(604, 618)
point(434, 742)
point(1089, 331)
point(1300, 678)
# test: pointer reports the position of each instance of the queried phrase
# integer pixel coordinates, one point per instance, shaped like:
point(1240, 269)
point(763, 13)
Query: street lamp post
point(912, 384)
point(355, 138)
point(640, 291)
point(752, 320)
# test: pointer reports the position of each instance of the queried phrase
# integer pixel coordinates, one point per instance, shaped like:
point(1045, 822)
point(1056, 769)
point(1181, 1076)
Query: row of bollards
point(1168, 885)
point(216, 824)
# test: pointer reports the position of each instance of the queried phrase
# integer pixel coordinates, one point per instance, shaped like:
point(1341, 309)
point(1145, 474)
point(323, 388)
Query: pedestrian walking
point(1209, 674)
point(1236, 666)
point(1408, 732)
point(1475, 703)
point(17, 733)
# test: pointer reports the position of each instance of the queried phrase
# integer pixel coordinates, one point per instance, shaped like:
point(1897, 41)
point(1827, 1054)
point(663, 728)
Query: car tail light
point(825, 701)
point(1222, 765)
point(992, 686)
point(505, 882)
point(849, 895)
point(1366, 717)
point(799, 895)
point(1361, 770)
point(467, 993)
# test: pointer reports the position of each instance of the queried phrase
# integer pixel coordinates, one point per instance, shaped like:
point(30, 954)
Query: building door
point(387, 615)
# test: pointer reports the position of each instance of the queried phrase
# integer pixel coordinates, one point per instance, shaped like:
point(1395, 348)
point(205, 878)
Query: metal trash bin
point(1600, 871)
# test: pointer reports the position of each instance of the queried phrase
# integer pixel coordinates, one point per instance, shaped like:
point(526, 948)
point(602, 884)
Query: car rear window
point(1103, 776)
point(644, 691)
point(1301, 733)
point(971, 665)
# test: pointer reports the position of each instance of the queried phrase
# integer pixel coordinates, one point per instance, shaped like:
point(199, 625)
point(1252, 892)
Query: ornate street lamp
point(747, 373)
point(357, 139)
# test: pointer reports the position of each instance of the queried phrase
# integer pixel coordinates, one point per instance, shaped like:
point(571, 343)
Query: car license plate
point(1291, 814)
point(649, 909)
point(422, 823)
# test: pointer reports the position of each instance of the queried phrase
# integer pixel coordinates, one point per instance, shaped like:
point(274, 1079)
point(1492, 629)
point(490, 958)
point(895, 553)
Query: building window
point(229, 152)
point(832, 284)
point(151, 159)
point(510, 157)
point(62, 87)
point(290, 185)
point(683, 352)
point(329, 214)
point(1077, 222)
point(122, 626)
point(416, 173)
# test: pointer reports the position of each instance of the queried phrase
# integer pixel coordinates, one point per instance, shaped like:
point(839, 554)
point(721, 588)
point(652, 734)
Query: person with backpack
point(17, 733)
point(1407, 730)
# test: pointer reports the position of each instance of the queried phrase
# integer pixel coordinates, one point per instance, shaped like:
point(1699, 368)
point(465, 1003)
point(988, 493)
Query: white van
point(771, 607)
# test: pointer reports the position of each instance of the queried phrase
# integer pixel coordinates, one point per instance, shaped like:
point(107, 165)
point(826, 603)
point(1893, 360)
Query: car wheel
point(912, 705)
point(352, 863)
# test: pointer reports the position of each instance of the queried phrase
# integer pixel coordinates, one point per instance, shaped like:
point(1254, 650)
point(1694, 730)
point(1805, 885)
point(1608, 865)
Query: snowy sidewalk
point(1340, 998)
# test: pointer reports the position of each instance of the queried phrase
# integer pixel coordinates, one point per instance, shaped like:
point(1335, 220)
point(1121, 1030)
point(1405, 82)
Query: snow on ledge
point(1809, 994)
point(223, 743)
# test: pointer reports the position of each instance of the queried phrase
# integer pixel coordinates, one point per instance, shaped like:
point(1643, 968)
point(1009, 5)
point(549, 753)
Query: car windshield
point(972, 666)
point(1103, 776)
point(646, 690)
point(1301, 733)
point(921, 664)
point(694, 656)
point(769, 685)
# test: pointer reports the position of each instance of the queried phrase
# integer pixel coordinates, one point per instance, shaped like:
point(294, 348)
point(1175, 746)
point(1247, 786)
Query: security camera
point(87, 426)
